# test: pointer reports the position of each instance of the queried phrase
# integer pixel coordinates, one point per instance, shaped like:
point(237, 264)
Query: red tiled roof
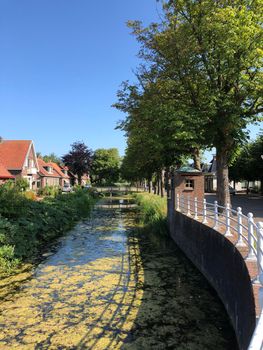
point(43, 172)
point(58, 170)
point(4, 173)
point(13, 153)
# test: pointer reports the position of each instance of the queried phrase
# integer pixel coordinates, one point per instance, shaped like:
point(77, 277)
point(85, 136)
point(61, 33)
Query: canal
point(111, 285)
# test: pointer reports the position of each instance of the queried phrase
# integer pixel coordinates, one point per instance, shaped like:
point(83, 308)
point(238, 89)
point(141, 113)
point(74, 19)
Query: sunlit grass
point(152, 211)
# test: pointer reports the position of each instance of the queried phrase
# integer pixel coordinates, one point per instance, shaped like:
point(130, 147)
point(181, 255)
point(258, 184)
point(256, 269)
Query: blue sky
point(61, 64)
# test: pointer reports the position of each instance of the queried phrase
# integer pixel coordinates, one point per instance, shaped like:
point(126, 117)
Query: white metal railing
point(240, 227)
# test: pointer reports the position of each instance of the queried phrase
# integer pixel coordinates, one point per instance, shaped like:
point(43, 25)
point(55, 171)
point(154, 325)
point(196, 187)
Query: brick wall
point(198, 184)
point(223, 266)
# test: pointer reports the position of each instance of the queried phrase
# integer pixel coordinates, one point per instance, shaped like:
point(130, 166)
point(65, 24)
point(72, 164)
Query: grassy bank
point(27, 226)
point(152, 212)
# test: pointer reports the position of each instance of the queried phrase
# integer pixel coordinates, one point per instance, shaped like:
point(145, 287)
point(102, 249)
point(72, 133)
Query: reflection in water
point(108, 287)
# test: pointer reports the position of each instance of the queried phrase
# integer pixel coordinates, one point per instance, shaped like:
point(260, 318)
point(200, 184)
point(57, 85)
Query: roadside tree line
point(199, 86)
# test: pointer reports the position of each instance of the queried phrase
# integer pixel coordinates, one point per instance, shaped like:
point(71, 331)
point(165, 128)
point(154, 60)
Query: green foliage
point(51, 191)
point(106, 166)
point(152, 211)
point(200, 85)
point(52, 157)
point(248, 164)
point(21, 184)
point(26, 225)
point(30, 195)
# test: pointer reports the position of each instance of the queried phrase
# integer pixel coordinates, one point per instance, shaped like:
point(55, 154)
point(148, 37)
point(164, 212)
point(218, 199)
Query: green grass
point(152, 212)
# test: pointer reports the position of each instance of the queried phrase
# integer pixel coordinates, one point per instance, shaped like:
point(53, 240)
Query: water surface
point(111, 286)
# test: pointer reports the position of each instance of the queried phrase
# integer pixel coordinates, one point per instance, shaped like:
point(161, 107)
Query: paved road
point(248, 203)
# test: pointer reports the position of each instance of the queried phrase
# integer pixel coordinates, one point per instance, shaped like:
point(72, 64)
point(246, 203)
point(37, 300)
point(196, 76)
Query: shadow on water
point(113, 286)
point(179, 309)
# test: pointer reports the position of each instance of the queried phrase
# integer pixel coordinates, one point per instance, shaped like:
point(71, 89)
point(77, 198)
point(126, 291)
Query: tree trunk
point(149, 186)
point(247, 190)
point(158, 184)
point(79, 179)
point(162, 182)
point(222, 177)
point(197, 159)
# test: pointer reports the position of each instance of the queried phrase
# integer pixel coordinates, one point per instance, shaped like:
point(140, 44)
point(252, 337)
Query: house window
point(189, 184)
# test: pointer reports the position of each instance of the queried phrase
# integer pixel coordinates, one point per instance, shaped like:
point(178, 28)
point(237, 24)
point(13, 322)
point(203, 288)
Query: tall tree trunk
point(222, 176)
point(158, 184)
point(150, 186)
point(79, 179)
point(162, 182)
point(197, 159)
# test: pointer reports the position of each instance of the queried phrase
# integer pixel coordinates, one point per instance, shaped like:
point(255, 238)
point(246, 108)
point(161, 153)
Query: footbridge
point(227, 247)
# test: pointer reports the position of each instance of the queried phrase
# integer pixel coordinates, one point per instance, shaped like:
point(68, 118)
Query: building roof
point(43, 172)
point(58, 170)
point(4, 173)
point(13, 153)
point(187, 169)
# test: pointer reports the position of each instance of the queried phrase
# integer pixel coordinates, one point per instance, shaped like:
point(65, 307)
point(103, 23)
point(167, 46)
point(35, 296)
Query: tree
point(52, 157)
point(106, 166)
point(248, 164)
point(78, 159)
point(210, 52)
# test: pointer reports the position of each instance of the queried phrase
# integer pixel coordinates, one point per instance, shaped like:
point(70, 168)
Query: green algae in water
point(179, 309)
point(111, 286)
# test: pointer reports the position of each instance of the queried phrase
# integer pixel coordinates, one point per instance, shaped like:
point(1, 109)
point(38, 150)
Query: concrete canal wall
point(224, 267)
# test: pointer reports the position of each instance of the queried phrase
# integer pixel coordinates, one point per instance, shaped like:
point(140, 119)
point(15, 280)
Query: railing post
point(260, 261)
point(260, 247)
point(215, 215)
point(228, 231)
point(195, 209)
point(204, 212)
point(240, 241)
point(251, 243)
point(188, 206)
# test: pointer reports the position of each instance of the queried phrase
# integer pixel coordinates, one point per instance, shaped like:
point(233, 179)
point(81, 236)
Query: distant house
point(47, 174)
point(63, 173)
point(5, 175)
point(209, 171)
point(18, 157)
point(85, 179)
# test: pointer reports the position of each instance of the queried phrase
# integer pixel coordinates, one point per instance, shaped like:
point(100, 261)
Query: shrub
point(26, 226)
point(30, 195)
point(49, 191)
point(21, 184)
point(7, 258)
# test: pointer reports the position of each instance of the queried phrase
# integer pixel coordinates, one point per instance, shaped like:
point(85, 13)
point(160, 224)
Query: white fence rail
point(241, 228)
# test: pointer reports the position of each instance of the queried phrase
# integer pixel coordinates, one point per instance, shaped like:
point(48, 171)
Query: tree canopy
point(78, 159)
point(106, 166)
point(200, 84)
